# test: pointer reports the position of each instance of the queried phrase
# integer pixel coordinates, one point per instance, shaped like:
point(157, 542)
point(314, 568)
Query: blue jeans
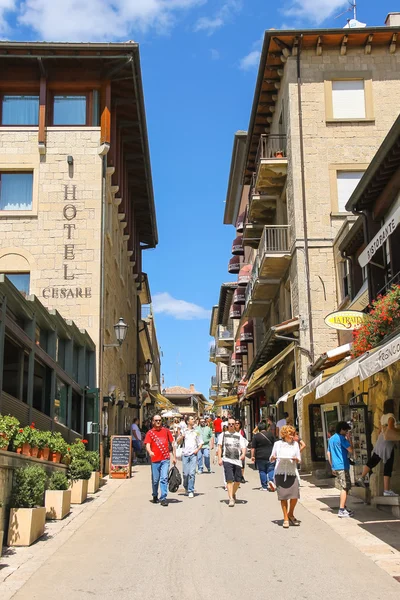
point(203, 453)
point(266, 471)
point(159, 475)
point(189, 472)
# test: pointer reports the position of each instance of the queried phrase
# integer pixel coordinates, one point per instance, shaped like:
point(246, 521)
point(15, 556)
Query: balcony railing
point(225, 333)
point(225, 375)
point(212, 393)
point(222, 354)
point(272, 146)
point(395, 280)
point(212, 352)
point(275, 239)
point(214, 381)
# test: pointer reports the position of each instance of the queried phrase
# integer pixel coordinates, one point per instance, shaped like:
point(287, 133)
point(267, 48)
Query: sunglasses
point(157, 420)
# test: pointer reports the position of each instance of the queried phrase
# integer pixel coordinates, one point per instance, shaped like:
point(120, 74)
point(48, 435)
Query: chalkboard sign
point(120, 456)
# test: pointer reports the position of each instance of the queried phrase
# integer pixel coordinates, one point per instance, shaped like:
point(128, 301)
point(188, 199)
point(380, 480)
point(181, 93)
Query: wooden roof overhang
point(278, 46)
point(225, 301)
point(80, 65)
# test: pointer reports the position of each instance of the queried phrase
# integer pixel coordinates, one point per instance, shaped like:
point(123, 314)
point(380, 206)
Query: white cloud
point(215, 55)
point(250, 61)
point(315, 11)
point(98, 20)
point(222, 16)
point(5, 6)
point(178, 309)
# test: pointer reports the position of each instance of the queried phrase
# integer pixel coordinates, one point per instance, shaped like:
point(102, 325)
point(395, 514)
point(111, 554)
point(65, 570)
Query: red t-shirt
point(218, 425)
point(159, 443)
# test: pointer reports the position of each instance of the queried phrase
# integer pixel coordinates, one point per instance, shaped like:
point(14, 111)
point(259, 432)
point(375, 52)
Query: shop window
point(16, 191)
point(41, 388)
point(60, 352)
point(19, 109)
point(75, 363)
point(21, 281)
point(70, 109)
point(60, 402)
point(76, 422)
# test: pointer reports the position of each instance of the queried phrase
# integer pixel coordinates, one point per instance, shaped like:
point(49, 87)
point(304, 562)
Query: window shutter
point(348, 99)
point(347, 182)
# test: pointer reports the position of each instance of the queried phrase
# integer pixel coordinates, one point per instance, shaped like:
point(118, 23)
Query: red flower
point(33, 424)
point(69, 449)
point(85, 442)
point(20, 430)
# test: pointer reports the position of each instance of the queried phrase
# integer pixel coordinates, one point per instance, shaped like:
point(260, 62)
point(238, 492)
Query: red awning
point(234, 264)
point(240, 222)
point(244, 275)
point(240, 348)
point(236, 360)
point(237, 246)
point(235, 311)
point(239, 296)
point(247, 332)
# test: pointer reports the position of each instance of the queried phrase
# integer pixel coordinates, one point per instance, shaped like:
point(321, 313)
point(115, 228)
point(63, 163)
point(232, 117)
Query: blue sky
point(199, 62)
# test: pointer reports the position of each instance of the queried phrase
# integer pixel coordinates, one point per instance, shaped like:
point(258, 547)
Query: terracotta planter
point(26, 451)
point(26, 525)
point(94, 482)
point(19, 450)
point(44, 453)
point(34, 451)
point(55, 457)
point(118, 476)
point(79, 491)
point(57, 503)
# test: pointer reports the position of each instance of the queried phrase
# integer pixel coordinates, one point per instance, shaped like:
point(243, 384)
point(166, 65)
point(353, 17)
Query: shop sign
point(132, 385)
point(345, 319)
point(380, 359)
point(241, 389)
point(388, 228)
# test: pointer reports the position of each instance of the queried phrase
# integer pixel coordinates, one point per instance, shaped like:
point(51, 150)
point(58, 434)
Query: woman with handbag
point(384, 449)
point(286, 453)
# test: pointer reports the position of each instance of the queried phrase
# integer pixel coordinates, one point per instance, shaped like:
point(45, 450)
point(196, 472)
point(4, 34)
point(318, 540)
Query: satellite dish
point(354, 24)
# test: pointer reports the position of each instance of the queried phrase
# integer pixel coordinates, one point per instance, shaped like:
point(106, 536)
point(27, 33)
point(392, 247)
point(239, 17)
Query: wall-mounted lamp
point(70, 160)
point(121, 329)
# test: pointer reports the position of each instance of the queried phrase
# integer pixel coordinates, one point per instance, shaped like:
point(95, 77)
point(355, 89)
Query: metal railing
point(222, 353)
point(395, 280)
point(274, 239)
point(212, 351)
point(224, 332)
point(225, 375)
point(272, 146)
point(214, 381)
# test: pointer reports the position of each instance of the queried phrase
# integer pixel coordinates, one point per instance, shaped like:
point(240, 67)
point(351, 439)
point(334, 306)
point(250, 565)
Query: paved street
point(199, 547)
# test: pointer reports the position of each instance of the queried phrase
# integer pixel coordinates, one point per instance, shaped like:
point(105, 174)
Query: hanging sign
point(388, 228)
point(345, 319)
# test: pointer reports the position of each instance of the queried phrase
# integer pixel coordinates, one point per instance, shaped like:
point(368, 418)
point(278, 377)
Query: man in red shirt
point(158, 441)
point(217, 429)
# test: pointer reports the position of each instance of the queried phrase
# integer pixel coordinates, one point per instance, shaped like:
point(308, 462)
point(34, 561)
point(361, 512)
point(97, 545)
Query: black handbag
point(174, 479)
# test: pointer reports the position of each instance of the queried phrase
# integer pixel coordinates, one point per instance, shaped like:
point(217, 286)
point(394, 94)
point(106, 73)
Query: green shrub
point(79, 469)
point(28, 488)
point(8, 428)
point(58, 481)
point(94, 459)
point(42, 439)
point(57, 443)
point(77, 450)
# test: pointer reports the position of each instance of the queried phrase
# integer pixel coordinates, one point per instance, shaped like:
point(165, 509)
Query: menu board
point(120, 456)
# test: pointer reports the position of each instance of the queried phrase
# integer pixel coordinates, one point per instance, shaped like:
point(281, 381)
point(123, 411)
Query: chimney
point(192, 388)
point(393, 19)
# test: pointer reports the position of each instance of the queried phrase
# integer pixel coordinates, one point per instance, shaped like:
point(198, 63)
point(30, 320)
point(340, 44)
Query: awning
point(237, 246)
point(245, 275)
point(162, 401)
point(330, 358)
point(271, 363)
point(260, 383)
point(347, 373)
point(311, 385)
point(288, 395)
point(380, 358)
point(228, 401)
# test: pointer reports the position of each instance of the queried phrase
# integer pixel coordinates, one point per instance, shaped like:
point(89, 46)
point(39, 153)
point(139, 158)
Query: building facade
point(186, 401)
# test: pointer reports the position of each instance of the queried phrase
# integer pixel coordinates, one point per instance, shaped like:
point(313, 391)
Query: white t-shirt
point(284, 454)
point(136, 429)
point(281, 423)
point(385, 419)
point(192, 441)
point(232, 446)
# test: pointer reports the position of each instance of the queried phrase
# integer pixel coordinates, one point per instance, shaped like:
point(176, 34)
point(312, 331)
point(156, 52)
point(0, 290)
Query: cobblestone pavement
point(120, 544)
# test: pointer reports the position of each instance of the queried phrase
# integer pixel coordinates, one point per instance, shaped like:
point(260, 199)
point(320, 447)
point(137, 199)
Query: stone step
point(390, 504)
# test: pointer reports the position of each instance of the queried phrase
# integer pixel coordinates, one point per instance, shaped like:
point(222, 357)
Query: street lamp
point(121, 329)
point(148, 365)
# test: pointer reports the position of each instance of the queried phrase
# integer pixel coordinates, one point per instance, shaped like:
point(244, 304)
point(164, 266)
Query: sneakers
point(351, 512)
point(231, 503)
point(164, 502)
point(344, 513)
point(390, 493)
point(361, 482)
point(191, 495)
point(262, 489)
point(271, 486)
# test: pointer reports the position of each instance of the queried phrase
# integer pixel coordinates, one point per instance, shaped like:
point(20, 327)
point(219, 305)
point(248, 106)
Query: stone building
point(324, 100)
point(76, 205)
point(187, 401)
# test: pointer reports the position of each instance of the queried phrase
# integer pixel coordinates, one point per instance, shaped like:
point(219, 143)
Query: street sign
point(385, 231)
point(132, 385)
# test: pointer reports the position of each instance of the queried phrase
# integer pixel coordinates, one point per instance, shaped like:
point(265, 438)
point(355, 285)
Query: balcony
point(262, 205)
point(225, 377)
point(212, 394)
point(271, 165)
point(213, 354)
point(225, 337)
point(269, 267)
point(222, 355)
point(214, 383)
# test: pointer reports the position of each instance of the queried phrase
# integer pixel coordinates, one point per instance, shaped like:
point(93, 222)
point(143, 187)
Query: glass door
point(331, 415)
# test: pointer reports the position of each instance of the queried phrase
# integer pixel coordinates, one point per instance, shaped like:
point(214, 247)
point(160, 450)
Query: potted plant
point(278, 154)
point(22, 440)
point(78, 449)
point(58, 447)
point(94, 482)
point(43, 443)
point(8, 428)
point(27, 515)
point(57, 497)
point(79, 473)
point(34, 440)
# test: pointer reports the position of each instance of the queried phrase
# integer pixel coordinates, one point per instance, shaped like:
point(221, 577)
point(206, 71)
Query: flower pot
point(278, 154)
point(55, 457)
point(26, 525)
point(79, 491)
point(57, 503)
point(19, 450)
point(44, 453)
point(118, 476)
point(26, 451)
point(94, 482)
point(34, 451)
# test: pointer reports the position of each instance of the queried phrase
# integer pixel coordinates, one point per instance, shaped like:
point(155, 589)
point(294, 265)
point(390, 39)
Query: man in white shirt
point(231, 452)
point(136, 435)
point(281, 423)
point(192, 443)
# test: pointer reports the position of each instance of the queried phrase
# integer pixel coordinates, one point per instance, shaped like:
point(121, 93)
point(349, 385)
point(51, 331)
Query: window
point(69, 110)
point(347, 182)
point(348, 99)
point(16, 191)
point(20, 110)
point(346, 287)
point(20, 281)
point(60, 402)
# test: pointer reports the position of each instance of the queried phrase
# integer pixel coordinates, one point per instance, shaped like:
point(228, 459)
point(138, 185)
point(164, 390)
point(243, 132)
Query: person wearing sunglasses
point(158, 443)
point(231, 454)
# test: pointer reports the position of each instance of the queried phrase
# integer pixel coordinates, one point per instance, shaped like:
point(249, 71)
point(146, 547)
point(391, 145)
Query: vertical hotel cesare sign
point(345, 319)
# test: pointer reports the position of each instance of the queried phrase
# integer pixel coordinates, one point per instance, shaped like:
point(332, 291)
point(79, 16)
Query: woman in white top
point(286, 453)
point(383, 450)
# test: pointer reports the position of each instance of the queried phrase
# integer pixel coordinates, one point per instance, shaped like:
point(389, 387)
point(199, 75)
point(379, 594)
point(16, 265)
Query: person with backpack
point(158, 443)
point(261, 449)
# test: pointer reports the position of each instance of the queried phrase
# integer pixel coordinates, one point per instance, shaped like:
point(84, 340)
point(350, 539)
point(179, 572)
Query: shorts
point(343, 481)
point(232, 472)
point(388, 465)
point(136, 445)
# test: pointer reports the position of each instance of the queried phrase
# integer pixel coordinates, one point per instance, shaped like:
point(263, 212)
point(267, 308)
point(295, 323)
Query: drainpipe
point(304, 204)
